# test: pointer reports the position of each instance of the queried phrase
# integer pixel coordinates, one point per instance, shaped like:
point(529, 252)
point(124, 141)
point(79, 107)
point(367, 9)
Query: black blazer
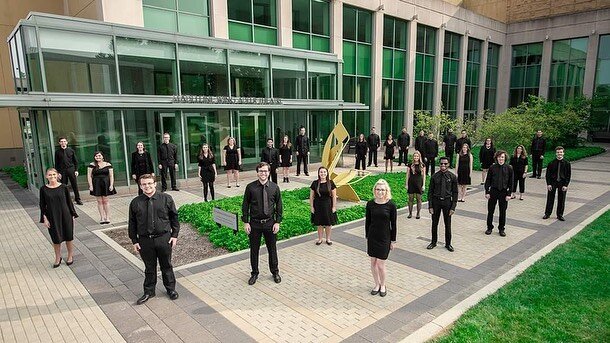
point(141, 165)
point(565, 172)
point(167, 154)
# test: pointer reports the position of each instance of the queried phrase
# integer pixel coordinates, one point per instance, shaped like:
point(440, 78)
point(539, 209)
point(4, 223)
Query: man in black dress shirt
point(262, 214)
point(67, 167)
point(404, 140)
point(460, 141)
point(419, 142)
point(498, 185)
point(558, 175)
point(537, 150)
point(302, 151)
point(271, 156)
point(374, 143)
point(168, 161)
point(430, 153)
point(449, 140)
point(153, 229)
point(442, 196)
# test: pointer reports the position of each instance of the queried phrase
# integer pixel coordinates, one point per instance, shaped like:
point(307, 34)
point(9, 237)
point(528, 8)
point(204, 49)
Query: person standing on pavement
point(442, 197)
point(388, 156)
point(498, 184)
point(404, 140)
point(271, 156)
point(141, 163)
point(231, 160)
point(153, 229)
point(464, 170)
point(415, 182)
point(286, 158)
point(463, 139)
point(537, 150)
point(303, 147)
point(362, 148)
point(430, 153)
point(419, 142)
point(207, 170)
point(323, 204)
point(380, 232)
point(449, 142)
point(100, 177)
point(374, 143)
point(262, 214)
point(67, 167)
point(486, 157)
point(167, 155)
point(519, 163)
point(558, 175)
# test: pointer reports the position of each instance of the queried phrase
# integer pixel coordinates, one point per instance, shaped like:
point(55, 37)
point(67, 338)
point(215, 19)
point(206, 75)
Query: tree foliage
point(437, 124)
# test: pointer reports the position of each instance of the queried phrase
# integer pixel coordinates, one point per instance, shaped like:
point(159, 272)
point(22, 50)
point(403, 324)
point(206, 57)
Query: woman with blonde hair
point(415, 182)
point(380, 232)
point(231, 160)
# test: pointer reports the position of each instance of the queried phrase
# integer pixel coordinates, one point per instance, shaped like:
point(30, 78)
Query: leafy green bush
point(437, 124)
point(571, 154)
point(18, 175)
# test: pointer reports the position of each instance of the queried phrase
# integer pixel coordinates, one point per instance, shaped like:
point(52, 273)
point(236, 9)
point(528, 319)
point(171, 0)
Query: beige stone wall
point(495, 9)
point(87, 9)
point(512, 11)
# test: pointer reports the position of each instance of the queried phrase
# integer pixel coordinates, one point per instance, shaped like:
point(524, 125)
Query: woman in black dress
point(323, 204)
point(231, 160)
point(380, 232)
point(141, 163)
point(285, 157)
point(101, 184)
point(415, 182)
point(57, 213)
point(464, 170)
point(207, 170)
point(362, 148)
point(519, 163)
point(390, 148)
point(486, 156)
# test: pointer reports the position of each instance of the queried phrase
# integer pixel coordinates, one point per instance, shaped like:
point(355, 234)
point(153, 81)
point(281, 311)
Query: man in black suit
point(404, 140)
point(537, 151)
point(67, 167)
point(303, 147)
point(419, 142)
point(168, 161)
point(558, 175)
point(271, 156)
point(374, 143)
point(464, 139)
point(449, 140)
point(442, 197)
point(430, 153)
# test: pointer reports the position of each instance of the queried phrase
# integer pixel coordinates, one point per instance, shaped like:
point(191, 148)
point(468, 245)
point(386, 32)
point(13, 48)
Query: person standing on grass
point(558, 175)
point(449, 141)
point(153, 229)
point(374, 143)
point(286, 158)
point(66, 166)
point(207, 171)
point(167, 155)
point(380, 233)
point(486, 157)
point(262, 214)
point(323, 204)
point(519, 163)
point(415, 182)
point(271, 156)
point(141, 163)
point(430, 153)
point(362, 148)
point(464, 170)
point(498, 184)
point(442, 197)
point(390, 148)
point(537, 150)
point(404, 140)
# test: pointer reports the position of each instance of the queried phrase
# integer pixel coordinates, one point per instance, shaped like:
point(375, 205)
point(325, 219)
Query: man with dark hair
point(449, 141)
point(498, 186)
point(374, 143)
point(419, 142)
point(558, 175)
point(262, 214)
point(430, 153)
point(302, 146)
point(153, 229)
point(464, 139)
point(168, 161)
point(404, 140)
point(67, 167)
point(537, 151)
point(442, 196)
point(271, 156)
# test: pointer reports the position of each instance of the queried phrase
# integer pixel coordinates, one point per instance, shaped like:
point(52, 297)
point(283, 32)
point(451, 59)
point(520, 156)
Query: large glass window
point(253, 21)
point(146, 67)
point(393, 71)
point(185, 16)
point(451, 66)
point(568, 69)
point(289, 80)
point(424, 68)
point(31, 58)
point(525, 72)
point(203, 71)
point(491, 77)
point(19, 69)
point(249, 74)
point(600, 114)
point(311, 25)
point(322, 80)
point(78, 62)
point(473, 67)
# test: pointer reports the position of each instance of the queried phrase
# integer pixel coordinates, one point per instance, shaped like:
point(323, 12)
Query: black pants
point(206, 186)
point(445, 207)
point(301, 157)
point(449, 154)
point(172, 175)
point(265, 230)
point(497, 197)
point(151, 250)
point(68, 175)
point(403, 155)
point(430, 162)
point(537, 163)
point(521, 181)
point(550, 199)
point(360, 162)
point(273, 173)
point(372, 156)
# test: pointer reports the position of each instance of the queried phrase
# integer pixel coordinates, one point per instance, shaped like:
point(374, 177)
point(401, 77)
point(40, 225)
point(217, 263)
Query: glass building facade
point(191, 17)
point(525, 72)
point(491, 77)
point(393, 92)
point(253, 21)
point(600, 109)
point(473, 69)
point(424, 68)
point(451, 66)
point(568, 69)
point(311, 25)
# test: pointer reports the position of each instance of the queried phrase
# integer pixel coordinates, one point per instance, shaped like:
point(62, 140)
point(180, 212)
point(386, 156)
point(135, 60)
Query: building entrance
point(253, 128)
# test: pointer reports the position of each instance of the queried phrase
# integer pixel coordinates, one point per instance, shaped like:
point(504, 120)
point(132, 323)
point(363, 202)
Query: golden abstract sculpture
point(336, 142)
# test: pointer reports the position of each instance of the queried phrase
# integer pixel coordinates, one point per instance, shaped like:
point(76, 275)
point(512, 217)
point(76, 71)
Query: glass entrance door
point(201, 128)
point(252, 133)
point(32, 168)
point(170, 122)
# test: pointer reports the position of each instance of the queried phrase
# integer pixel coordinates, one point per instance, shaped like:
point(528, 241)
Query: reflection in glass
point(322, 80)
point(289, 78)
point(249, 74)
point(146, 67)
point(32, 60)
point(203, 71)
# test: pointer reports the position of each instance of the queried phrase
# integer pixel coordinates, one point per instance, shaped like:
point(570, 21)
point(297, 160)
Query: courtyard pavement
point(324, 294)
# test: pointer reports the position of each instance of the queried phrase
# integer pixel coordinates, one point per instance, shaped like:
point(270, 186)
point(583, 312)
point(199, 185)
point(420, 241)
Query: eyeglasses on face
point(380, 189)
point(148, 184)
point(263, 171)
point(445, 163)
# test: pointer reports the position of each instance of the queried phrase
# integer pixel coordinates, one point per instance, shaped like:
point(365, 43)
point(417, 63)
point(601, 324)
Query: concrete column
point(336, 28)
point(461, 88)
point(410, 70)
point(377, 60)
point(545, 68)
point(504, 65)
point(219, 19)
point(284, 23)
point(438, 71)
point(482, 79)
point(590, 66)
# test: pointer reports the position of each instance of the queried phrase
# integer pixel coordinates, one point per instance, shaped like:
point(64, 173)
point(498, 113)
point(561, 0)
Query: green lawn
point(564, 297)
point(18, 174)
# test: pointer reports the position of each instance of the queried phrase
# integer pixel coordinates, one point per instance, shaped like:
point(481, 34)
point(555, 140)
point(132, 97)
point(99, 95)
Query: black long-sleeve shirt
point(167, 154)
point(141, 163)
point(404, 140)
point(65, 159)
point(460, 143)
point(164, 216)
point(252, 205)
point(499, 177)
point(443, 185)
point(538, 145)
point(380, 221)
point(302, 144)
point(271, 156)
point(361, 148)
point(419, 143)
point(450, 139)
point(430, 148)
point(561, 167)
point(373, 141)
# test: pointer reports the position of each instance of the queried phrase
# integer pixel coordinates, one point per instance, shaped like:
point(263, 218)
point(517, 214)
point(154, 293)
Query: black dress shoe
point(144, 298)
point(538, 177)
point(277, 278)
point(561, 218)
point(173, 295)
point(449, 247)
point(502, 233)
point(252, 280)
point(409, 216)
point(383, 293)
point(546, 216)
point(431, 246)
point(78, 202)
point(306, 174)
point(175, 190)
point(488, 232)
point(374, 292)
point(58, 264)
point(69, 263)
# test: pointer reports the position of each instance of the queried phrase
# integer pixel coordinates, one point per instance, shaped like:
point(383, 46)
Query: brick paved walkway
point(324, 295)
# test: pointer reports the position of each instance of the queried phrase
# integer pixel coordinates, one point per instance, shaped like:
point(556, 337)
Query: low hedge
point(18, 175)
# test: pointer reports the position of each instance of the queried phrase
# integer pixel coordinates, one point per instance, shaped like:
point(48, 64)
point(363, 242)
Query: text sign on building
point(224, 100)
point(225, 218)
